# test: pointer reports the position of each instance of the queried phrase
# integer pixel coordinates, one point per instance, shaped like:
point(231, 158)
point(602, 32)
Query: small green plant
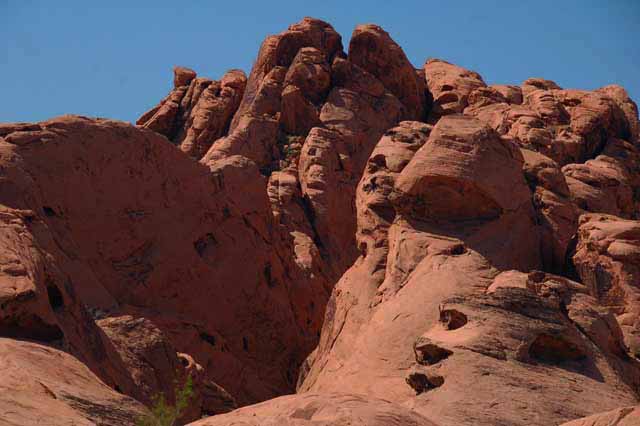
point(164, 414)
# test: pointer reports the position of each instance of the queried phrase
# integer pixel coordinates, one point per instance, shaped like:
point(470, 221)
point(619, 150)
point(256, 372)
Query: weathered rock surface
point(372, 49)
point(397, 246)
point(144, 230)
point(607, 260)
point(569, 126)
point(325, 409)
point(144, 349)
point(626, 416)
point(608, 183)
point(197, 111)
point(427, 319)
point(42, 385)
point(556, 213)
point(314, 116)
point(156, 368)
point(450, 87)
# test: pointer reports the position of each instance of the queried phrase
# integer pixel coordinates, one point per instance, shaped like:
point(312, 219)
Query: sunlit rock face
point(382, 244)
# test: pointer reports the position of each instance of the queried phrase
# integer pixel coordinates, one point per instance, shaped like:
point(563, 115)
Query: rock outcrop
point(396, 246)
point(42, 385)
point(147, 232)
point(607, 261)
point(312, 409)
point(197, 111)
point(433, 315)
point(626, 416)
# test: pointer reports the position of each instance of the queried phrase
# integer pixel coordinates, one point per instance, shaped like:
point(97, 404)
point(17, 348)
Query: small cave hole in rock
point(202, 244)
point(569, 269)
point(421, 382)
point(268, 277)
point(117, 389)
point(245, 344)
point(55, 297)
point(448, 97)
point(554, 349)
point(208, 338)
point(429, 354)
point(48, 211)
point(452, 319)
point(458, 249)
point(387, 213)
point(184, 362)
point(379, 160)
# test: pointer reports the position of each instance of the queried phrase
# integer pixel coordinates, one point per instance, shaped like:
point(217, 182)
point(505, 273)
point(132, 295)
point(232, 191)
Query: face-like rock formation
point(396, 246)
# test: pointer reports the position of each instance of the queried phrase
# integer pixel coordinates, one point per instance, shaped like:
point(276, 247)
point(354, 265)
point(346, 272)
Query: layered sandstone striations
point(399, 246)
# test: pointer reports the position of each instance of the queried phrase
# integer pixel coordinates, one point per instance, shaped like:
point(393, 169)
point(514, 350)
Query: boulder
point(40, 384)
point(197, 111)
point(450, 87)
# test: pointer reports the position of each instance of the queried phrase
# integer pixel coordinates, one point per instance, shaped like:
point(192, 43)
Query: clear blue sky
point(114, 58)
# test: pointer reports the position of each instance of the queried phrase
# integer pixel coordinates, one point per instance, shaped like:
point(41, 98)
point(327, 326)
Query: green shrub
point(163, 414)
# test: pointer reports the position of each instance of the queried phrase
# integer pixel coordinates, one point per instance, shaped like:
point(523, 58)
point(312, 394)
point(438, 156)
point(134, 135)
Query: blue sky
point(115, 58)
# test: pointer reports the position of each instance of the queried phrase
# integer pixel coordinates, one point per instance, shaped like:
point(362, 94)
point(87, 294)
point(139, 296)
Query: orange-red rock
point(450, 87)
point(144, 230)
point(477, 265)
point(43, 385)
point(557, 215)
point(197, 111)
point(327, 409)
point(625, 416)
point(372, 49)
point(428, 320)
point(607, 260)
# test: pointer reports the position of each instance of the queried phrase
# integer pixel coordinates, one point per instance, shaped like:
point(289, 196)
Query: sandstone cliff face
point(399, 246)
point(434, 314)
point(148, 232)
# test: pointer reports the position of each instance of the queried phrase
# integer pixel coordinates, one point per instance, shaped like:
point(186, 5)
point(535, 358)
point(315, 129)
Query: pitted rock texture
point(431, 315)
point(398, 246)
point(145, 230)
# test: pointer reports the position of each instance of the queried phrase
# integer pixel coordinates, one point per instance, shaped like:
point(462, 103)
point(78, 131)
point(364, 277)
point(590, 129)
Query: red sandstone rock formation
point(399, 246)
point(197, 111)
point(42, 385)
point(150, 233)
point(626, 416)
